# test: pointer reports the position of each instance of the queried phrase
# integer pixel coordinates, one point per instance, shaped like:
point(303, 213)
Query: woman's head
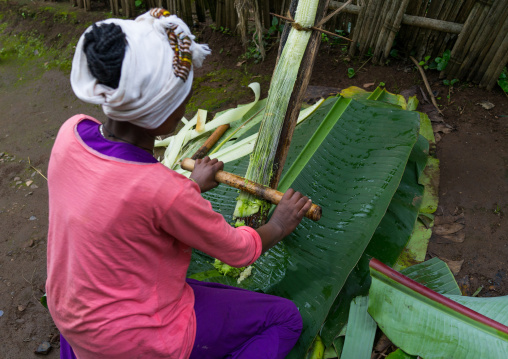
point(140, 70)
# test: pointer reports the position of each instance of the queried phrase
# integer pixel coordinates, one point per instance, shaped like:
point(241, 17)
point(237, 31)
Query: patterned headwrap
point(157, 70)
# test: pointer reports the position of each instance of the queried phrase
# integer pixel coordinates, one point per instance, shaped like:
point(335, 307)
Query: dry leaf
point(382, 343)
point(458, 237)
point(441, 127)
point(28, 183)
point(369, 84)
point(446, 229)
point(240, 63)
point(455, 266)
point(438, 220)
point(486, 104)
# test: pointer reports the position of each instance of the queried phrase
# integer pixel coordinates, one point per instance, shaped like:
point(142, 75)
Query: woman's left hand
point(204, 173)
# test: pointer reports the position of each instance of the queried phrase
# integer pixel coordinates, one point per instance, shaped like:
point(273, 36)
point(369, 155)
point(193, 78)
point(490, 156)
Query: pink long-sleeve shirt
point(119, 245)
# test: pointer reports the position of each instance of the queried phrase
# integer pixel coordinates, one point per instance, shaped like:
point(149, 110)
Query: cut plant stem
point(261, 163)
point(234, 132)
point(210, 142)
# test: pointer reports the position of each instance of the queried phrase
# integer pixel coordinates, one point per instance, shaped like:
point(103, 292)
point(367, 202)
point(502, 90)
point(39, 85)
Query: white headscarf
point(150, 88)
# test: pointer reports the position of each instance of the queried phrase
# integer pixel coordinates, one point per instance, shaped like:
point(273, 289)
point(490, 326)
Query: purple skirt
point(236, 323)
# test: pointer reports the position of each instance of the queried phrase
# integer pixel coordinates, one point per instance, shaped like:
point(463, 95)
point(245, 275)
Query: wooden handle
point(268, 194)
point(212, 140)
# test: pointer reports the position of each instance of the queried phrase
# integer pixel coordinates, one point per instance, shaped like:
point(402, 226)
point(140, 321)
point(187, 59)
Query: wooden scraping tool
point(268, 194)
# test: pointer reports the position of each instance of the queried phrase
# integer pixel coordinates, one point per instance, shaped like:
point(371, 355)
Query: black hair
point(104, 48)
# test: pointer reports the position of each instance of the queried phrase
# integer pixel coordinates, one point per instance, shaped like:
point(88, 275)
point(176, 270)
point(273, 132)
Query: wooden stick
point(312, 27)
point(268, 194)
point(411, 20)
point(494, 40)
point(395, 29)
point(427, 85)
point(235, 131)
point(210, 142)
point(328, 17)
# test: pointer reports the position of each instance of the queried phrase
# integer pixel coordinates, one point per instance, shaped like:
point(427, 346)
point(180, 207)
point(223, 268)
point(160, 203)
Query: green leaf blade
point(360, 331)
point(436, 328)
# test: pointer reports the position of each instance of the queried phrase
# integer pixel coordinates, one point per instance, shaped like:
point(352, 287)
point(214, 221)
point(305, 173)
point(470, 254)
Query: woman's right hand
point(286, 217)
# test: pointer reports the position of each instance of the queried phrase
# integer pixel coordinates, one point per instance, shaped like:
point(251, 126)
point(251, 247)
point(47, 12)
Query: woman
point(121, 225)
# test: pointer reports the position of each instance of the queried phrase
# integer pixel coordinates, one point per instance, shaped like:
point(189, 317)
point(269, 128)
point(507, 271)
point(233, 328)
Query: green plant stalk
point(263, 158)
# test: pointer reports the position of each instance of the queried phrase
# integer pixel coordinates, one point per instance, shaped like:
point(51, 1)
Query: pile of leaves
point(364, 157)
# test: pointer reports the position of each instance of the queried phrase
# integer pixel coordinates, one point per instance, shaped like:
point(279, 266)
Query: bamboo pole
point(423, 36)
point(114, 7)
point(483, 38)
point(436, 37)
point(381, 22)
point(465, 10)
point(458, 52)
point(219, 13)
point(444, 40)
point(375, 19)
point(186, 12)
point(395, 28)
point(264, 192)
point(358, 28)
point(473, 35)
point(384, 25)
point(497, 17)
point(264, 8)
point(407, 31)
point(493, 71)
point(490, 58)
point(210, 142)
point(412, 39)
point(366, 25)
point(201, 10)
point(212, 6)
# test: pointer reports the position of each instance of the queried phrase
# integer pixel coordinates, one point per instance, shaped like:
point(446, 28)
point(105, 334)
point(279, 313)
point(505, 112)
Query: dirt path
point(34, 102)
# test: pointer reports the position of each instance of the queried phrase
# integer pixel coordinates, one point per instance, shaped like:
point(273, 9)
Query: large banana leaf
point(351, 166)
point(397, 226)
point(425, 323)
point(388, 241)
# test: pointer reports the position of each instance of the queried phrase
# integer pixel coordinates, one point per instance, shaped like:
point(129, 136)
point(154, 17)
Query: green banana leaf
point(351, 166)
point(399, 354)
point(425, 323)
point(390, 238)
point(338, 344)
point(361, 330)
point(397, 229)
point(435, 275)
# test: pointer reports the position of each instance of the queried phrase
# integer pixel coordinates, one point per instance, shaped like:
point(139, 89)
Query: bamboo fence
point(476, 31)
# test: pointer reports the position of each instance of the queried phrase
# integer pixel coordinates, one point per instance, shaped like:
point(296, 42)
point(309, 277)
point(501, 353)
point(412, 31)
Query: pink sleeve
point(191, 220)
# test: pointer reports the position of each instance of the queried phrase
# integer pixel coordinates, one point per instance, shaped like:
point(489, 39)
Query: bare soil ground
point(36, 98)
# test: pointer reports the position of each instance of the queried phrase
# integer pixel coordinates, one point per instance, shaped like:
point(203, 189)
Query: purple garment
point(66, 351)
point(231, 323)
point(89, 132)
point(235, 323)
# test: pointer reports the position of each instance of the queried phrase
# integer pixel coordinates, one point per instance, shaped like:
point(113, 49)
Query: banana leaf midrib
point(445, 305)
